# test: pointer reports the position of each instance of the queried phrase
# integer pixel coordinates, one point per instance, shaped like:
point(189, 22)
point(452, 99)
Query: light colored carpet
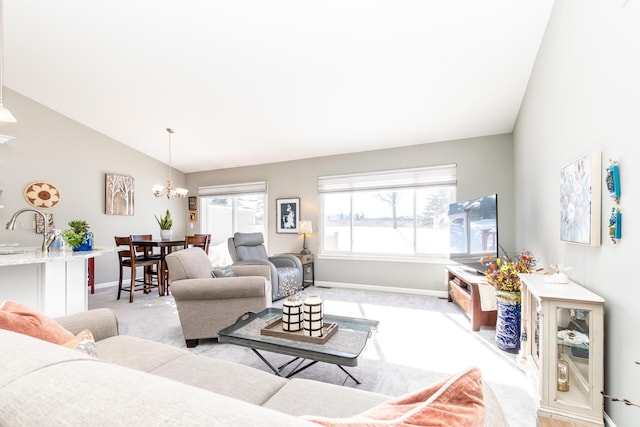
point(420, 340)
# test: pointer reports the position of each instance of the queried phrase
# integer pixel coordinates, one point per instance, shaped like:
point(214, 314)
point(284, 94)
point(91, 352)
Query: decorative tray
point(274, 328)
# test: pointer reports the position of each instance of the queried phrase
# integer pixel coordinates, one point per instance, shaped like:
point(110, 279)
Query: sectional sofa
point(137, 382)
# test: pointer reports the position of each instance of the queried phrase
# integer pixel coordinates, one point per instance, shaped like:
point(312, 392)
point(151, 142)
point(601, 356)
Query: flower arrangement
point(290, 291)
point(503, 272)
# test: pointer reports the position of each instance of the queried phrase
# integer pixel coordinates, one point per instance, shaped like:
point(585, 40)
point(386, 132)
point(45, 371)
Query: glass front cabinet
point(562, 348)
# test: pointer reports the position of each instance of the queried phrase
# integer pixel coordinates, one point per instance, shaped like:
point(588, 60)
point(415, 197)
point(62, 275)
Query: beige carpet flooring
point(420, 339)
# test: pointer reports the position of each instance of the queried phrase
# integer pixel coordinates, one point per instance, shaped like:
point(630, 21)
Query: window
point(401, 213)
point(228, 209)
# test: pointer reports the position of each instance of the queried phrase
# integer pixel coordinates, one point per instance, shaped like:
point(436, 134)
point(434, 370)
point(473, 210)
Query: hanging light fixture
point(5, 115)
point(160, 190)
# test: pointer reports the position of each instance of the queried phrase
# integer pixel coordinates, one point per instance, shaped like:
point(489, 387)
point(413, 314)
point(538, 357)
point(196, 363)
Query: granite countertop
point(21, 255)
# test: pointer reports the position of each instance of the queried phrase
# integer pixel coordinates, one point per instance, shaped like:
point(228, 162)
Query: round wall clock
point(42, 195)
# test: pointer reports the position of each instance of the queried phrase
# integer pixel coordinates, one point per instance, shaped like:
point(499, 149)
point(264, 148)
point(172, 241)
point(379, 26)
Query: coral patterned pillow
point(454, 401)
point(83, 342)
point(20, 318)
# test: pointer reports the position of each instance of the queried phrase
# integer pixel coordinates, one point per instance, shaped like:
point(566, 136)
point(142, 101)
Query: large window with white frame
point(228, 209)
point(399, 213)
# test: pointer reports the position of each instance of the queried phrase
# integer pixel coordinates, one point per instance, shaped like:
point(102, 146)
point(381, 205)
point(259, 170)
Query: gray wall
point(477, 175)
point(583, 96)
point(52, 148)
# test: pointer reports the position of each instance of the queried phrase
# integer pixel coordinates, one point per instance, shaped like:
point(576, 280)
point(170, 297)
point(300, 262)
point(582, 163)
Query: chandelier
point(168, 190)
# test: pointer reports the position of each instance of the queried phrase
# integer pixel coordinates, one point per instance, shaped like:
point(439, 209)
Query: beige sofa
point(139, 382)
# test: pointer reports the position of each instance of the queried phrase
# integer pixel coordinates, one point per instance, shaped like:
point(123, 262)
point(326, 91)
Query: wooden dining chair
point(198, 240)
point(128, 259)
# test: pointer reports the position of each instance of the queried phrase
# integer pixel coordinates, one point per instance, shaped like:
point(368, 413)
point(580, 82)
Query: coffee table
point(342, 349)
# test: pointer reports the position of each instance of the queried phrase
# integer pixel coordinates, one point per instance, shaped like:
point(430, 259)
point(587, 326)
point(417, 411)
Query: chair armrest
point(253, 270)
point(222, 288)
point(102, 323)
point(286, 260)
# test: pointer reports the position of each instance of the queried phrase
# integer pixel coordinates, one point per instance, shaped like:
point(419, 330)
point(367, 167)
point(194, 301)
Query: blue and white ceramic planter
point(508, 321)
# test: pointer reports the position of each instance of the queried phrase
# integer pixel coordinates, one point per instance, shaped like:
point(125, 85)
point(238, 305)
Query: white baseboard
point(608, 421)
point(106, 285)
point(437, 294)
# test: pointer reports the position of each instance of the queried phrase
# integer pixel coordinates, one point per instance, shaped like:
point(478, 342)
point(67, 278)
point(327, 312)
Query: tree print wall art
point(119, 194)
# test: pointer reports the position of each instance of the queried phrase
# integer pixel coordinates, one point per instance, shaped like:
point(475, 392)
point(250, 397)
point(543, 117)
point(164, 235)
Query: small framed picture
point(193, 216)
point(193, 206)
point(288, 215)
point(40, 225)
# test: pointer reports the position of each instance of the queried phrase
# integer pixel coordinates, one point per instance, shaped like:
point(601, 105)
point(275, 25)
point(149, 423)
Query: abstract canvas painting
point(580, 200)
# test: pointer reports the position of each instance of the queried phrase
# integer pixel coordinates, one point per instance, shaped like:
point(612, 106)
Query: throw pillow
point(83, 342)
point(454, 401)
point(22, 319)
point(224, 272)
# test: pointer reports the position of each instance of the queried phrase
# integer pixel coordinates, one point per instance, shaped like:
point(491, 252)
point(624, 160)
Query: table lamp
point(304, 229)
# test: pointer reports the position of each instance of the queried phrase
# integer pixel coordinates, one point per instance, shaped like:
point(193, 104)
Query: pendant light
point(160, 190)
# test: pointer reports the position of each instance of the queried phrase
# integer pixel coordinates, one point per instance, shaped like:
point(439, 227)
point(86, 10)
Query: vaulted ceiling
point(259, 81)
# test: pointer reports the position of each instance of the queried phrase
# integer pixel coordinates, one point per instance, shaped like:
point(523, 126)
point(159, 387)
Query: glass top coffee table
point(342, 349)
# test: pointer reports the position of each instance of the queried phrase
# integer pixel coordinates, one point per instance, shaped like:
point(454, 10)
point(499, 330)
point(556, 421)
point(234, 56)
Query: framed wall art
point(40, 224)
point(288, 215)
point(580, 200)
point(119, 194)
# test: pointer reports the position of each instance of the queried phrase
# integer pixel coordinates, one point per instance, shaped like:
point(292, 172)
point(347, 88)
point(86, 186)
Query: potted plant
point(502, 273)
point(165, 222)
point(78, 236)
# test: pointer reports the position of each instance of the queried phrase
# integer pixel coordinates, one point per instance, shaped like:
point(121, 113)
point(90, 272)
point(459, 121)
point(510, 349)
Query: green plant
point(503, 272)
point(165, 222)
point(77, 234)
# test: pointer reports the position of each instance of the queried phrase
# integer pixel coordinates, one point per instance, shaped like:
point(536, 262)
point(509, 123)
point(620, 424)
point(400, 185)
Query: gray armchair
point(248, 249)
point(206, 304)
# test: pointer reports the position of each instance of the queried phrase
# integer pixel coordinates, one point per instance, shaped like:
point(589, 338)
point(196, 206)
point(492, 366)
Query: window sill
point(435, 259)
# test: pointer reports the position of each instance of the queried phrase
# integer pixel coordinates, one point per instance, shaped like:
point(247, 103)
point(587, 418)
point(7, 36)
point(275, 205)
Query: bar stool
point(128, 259)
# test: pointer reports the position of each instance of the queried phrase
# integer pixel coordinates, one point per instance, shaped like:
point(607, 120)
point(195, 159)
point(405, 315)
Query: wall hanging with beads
point(613, 185)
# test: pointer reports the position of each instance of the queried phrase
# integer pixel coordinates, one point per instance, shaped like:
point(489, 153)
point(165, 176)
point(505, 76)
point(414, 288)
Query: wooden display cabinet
point(562, 350)
point(466, 289)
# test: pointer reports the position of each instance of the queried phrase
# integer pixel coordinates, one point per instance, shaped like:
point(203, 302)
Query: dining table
point(166, 247)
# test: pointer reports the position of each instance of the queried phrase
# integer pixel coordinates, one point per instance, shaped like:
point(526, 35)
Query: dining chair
point(198, 240)
point(128, 259)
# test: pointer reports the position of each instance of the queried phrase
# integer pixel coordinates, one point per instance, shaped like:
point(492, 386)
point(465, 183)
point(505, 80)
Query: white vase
point(292, 316)
point(312, 316)
point(165, 234)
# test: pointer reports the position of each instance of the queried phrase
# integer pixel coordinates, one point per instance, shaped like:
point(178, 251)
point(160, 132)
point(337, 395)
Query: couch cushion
point(454, 401)
point(90, 392)
point(227, 378)
point(83, 342)
point(297, 398)
point(223, 272)
point(24, 320)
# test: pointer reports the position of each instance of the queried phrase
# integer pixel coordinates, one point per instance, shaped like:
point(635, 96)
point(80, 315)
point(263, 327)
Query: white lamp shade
point(305, 227)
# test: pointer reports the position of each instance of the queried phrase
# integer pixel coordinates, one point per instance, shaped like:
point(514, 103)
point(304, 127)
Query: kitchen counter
point(54, 284)
point(19, 255)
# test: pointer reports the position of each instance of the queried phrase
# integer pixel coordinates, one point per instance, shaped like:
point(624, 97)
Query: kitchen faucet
point(47, 238)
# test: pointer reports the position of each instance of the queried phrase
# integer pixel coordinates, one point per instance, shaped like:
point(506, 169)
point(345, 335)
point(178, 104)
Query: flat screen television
point(473, 231)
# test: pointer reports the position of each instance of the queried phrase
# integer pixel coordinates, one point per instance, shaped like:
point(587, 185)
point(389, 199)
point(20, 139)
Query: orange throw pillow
point(454, 401)
point(20, 318)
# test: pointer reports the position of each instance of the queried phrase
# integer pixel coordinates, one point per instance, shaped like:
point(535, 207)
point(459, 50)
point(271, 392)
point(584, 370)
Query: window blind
point(228, 189)
point(399, 178)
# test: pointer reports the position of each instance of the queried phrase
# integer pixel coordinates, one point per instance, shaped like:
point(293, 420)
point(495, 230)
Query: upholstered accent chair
point(249, 249)
point(207, 304)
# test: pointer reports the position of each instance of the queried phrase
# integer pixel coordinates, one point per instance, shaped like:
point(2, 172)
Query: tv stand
point(472, 293)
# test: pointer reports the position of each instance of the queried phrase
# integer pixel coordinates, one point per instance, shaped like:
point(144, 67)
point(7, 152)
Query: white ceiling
point(259, 81)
